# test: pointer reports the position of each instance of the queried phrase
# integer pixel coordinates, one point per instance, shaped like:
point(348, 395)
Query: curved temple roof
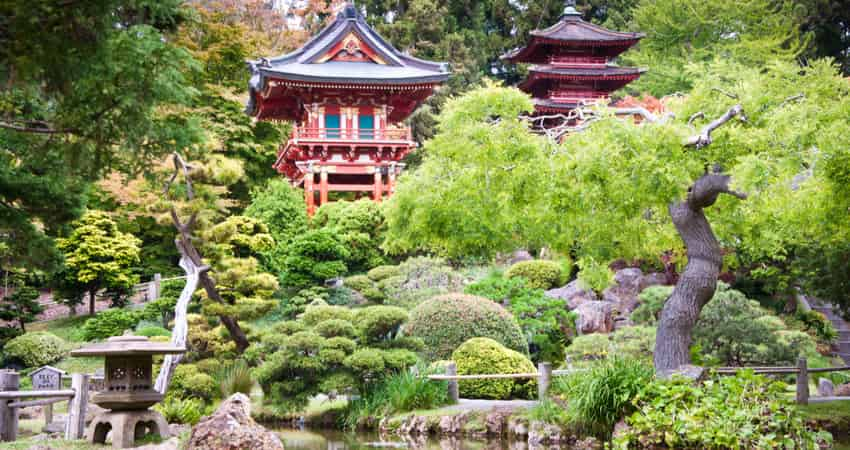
point(381, 64)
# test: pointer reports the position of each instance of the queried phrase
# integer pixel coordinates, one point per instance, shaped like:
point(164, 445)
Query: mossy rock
point(479, 356)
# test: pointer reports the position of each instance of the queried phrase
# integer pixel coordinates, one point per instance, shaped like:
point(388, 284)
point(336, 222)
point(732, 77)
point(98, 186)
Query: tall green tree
point(21, 306)
point(619, 190)
point(99, 256)
point(85, 88)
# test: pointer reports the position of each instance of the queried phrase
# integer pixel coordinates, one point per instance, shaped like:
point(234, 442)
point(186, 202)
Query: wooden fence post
point(9, 381)
point(155, 287)
point(545, 370)
point(76, 424)
point(802, 382)
point(454, 391)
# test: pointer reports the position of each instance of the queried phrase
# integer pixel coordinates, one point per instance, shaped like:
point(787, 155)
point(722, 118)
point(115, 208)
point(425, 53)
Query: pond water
point(336, 440)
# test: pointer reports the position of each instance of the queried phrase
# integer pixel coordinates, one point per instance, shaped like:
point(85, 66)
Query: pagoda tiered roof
point(347, 55)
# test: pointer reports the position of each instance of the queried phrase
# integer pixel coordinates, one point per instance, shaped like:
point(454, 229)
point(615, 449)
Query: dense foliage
point(743, 411)
point(108, 323)
point(331, 349)
point(539, 274)
point(445, 322)
point(397, 393)
point(35, 349)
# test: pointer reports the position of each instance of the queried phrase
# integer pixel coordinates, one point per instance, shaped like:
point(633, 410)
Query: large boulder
point(594, 317)
point(519, 256)
point(624, 293)
point(574, 294)
point(231, 427)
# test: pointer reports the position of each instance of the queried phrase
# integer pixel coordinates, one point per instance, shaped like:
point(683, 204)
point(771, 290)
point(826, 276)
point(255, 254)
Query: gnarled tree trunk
point(697, 283)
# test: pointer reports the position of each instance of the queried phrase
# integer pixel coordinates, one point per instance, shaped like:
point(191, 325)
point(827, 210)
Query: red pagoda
point(573, 63)
point(346, 89)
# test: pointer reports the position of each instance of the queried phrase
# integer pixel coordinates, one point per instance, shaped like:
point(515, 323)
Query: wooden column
point(379, 185)
point(391, 180)
point(802, 382)
point(75, 425)
point(545, 371)
point(308, 192)
point(9, 381)
point(454, 391)
point(323, 186)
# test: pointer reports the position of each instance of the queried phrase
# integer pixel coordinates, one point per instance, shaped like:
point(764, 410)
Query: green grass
point(834, 416)
point(24, 444)
point(68, 328)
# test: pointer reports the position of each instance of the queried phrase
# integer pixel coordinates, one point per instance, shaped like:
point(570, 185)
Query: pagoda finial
point(570, 8)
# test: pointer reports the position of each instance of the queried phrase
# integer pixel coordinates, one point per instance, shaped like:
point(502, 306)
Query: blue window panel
point(366, 125)
point(332, 125)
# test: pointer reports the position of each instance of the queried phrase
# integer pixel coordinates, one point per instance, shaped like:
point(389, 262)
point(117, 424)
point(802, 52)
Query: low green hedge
point(35, 349)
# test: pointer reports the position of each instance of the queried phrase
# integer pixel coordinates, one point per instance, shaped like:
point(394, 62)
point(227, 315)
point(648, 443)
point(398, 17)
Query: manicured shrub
point(601, 395)
point(421, 279)
point(383, 272)
point(108, 323)
point(540, 274)
point(742, 411)
point(318, 314)
point(359, 225)
point(359, 283)
point(546, 323)
point(374, 295)
point(313, 257)
point(35, 349)
point(336, 327)
point(376, 323)
point(486, 356)
point(447, 321)
point(189, 382)
point(150, 329)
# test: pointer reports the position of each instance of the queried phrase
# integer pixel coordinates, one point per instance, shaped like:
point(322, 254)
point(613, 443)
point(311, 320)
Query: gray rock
point(652, 279)
point(825, 388)
point(574, 294)
point(624, 293)
point(231, 426)
point(691, 371)
point(594, 317)
point(520, 256)
point(169, 444)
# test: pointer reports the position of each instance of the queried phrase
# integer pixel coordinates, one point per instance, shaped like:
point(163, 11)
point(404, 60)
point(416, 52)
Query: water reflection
point(335, 440)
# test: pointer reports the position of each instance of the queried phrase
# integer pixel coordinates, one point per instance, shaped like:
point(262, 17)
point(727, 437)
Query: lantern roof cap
point(128, 345)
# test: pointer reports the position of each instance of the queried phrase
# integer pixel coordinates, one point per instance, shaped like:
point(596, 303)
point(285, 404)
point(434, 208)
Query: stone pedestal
point(126, 427)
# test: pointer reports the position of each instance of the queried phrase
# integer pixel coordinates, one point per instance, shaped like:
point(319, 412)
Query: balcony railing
point(347, 134)
point(576, 96)
point(578, 61)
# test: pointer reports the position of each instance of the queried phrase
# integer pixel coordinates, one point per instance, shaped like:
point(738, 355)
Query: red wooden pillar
point(308, 193)
point(323, 186)
point(379, 185)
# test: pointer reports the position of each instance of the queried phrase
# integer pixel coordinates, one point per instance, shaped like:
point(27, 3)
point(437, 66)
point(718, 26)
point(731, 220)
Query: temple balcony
point(357, 137)
point(578, 61)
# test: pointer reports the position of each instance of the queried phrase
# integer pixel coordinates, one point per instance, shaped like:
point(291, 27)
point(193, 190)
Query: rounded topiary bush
point(35, 349)
point(189, 382)
point(383, 272)
point(446, 321)
point(359, 283)
point(485, 356)
point(108, 323)
point(539, 274)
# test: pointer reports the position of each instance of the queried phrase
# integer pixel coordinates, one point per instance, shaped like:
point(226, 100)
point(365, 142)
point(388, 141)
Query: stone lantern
point(127, 390)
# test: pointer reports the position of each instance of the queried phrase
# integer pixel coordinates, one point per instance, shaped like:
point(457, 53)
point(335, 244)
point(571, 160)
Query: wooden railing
point(384, 134)
point(11, 399)
point(578, 61)
point(545, 373)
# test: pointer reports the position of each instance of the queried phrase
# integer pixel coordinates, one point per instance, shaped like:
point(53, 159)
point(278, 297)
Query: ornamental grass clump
point(447, 321)
point(601, 395)
point(743, 411)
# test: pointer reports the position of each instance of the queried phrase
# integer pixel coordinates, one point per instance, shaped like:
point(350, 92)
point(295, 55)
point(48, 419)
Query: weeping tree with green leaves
point(751, 160)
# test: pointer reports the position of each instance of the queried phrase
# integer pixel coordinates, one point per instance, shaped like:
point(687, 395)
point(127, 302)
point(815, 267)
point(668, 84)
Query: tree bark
point(91, 302)
point(697, 283)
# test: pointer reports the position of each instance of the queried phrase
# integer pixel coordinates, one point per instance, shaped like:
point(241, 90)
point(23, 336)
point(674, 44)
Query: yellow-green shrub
point(383, 272)
point(539, 274)
point(35, 349)
point(485, 356)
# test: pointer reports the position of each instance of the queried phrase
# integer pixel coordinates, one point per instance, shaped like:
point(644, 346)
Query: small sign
point(47, 378)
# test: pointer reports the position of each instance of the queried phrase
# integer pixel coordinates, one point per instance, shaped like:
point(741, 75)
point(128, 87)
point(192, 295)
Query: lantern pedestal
point(126, 427)
point(127, 390)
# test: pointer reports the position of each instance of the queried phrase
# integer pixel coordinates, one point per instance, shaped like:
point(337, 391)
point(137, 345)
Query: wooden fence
point(11, 399)
point(545, 373)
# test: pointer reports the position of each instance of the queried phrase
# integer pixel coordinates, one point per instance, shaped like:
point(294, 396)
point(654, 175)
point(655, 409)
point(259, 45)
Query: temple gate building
point(573, 64)
point(346, 90)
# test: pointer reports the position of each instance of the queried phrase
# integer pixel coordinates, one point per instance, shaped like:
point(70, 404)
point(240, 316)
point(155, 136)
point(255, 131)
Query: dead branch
point(792, 98)
point(704, 137)
point(35, 126)
point(731, 95)
point(696, 115)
